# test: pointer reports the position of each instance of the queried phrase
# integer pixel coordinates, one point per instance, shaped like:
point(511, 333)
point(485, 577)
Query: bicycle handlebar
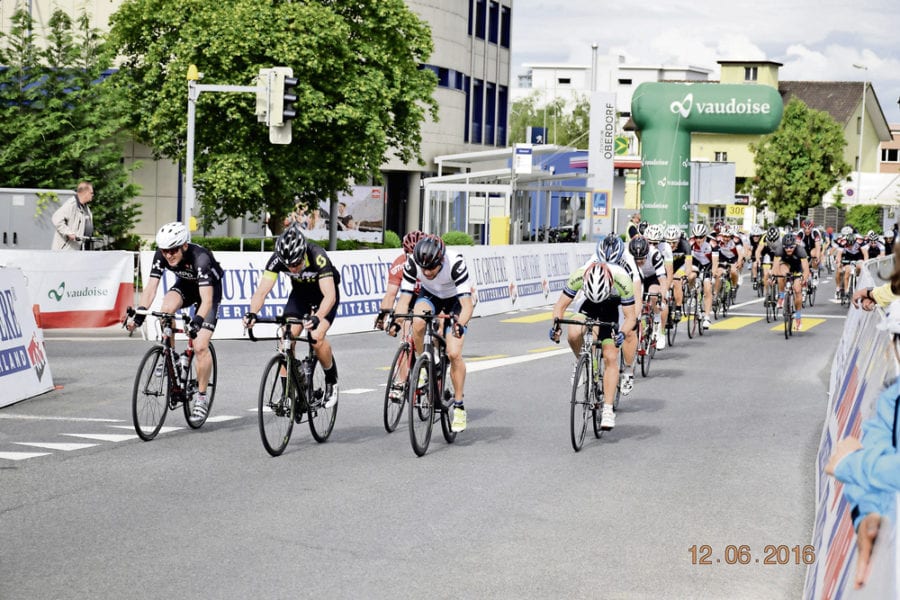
point(284, 321)
point(590, 322)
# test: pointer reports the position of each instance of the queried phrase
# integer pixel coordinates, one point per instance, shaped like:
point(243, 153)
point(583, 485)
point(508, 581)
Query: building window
point(479, 18)
point(564, 80)
point(716, 213)
point(502, 114)
point(721, 157)
point(890, 155)
point(493, 22)
point(477, 111)
point(505, 20)
point(490, 109)
point(624, 82)
point(467, 81)
point(750, 73)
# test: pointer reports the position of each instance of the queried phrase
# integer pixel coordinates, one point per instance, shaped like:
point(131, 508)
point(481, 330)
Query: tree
point(798, 163)
point(361, 93)
point(59, 123)
point(563, 126)
point(865, 218)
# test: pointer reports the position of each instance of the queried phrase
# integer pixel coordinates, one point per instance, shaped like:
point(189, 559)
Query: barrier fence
point(862, 367)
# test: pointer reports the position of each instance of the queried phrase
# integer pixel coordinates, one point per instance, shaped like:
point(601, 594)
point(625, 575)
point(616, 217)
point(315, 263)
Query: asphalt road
point(715, 448)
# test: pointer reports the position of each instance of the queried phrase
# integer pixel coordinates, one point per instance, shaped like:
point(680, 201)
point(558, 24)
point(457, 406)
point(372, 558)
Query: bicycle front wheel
point(644, 344)
point(788, 313)
point(277, 395)
point(397, 389)
point(690, 320)
point(421, 404)
point(321, 419)
point(193, 387)
point(446, 405)
point(150, 396)
point(581, 409)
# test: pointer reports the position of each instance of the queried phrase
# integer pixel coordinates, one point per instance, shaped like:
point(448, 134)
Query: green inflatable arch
point(667, 114)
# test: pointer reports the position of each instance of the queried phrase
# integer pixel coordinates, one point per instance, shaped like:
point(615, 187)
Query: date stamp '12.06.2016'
point(733, 554)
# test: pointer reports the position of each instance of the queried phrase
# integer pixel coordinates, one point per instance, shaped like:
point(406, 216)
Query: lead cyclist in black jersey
point(198, 283)
point(443, 288)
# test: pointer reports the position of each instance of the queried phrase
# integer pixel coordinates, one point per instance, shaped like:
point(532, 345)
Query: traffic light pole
point(194, 91)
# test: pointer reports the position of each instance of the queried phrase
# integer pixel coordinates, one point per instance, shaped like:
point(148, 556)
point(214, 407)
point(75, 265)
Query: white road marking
point(104, 437)
point(52, 446)
point(15, 417)
point(21, 455)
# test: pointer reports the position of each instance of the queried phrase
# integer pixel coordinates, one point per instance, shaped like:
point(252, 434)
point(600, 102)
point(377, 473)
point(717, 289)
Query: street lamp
point(862, 125)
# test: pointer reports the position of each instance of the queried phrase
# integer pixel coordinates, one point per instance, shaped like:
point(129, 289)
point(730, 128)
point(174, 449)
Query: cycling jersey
point(680, 251)
point(451, 281)
point(197, 265)
point(728, 251)
point(305, 290)
point(702, 253)
point(794, 259)
point(653, 267)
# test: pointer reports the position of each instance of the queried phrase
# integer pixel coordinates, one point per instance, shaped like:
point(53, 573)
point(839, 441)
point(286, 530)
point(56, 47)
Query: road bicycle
point(646, 349)
point(587, 385)
point(787, 310)
point(849, 285)
point(165, 379)
point(291, 388)
point(771, 298)
point(695, 321)
point(431, 398)
point(722, 300)
point(397, 391)
point(809, 290)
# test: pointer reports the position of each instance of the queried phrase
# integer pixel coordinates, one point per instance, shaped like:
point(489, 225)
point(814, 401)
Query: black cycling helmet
point(611, 249)
point(643, 227)
point(788, 241)
point(411, 239)
point(291, 245)
point(429, 252)
point(639, 247)
point(772, 234)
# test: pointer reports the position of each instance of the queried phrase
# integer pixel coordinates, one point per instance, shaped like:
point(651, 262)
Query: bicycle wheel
point(150, 396)
point(811, 295)
point(644, 344)
point(788, 311)
point(596, 410)
point(393, 404)
point(446, 406)
point(689, 315)
point(192, 387)
point(276, 406)
point(671, 327)
point(421, 404)
point(321, 419)
point(581, 408)
point(698, 312)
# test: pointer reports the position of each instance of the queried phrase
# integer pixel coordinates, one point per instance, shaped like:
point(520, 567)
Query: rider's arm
point(467, 308)
point(266, 283)
point(149, 292)
point(329, 296)
point(387, 303)
point(206, 301)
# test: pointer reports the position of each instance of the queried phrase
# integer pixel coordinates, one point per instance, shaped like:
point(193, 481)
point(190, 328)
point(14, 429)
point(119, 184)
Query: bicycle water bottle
point(184, 362)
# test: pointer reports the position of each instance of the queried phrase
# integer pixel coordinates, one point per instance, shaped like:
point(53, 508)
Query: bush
point(864, 218)
point(458, 238)
point(391, 239)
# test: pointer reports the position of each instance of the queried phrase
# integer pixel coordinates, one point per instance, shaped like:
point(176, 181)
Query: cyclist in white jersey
point(444, 286)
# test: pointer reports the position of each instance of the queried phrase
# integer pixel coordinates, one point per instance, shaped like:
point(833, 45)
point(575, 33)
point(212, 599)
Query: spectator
point(73, 219)
point(883, 295)
point(345, 221)
point(868, 468)
point(634, 225)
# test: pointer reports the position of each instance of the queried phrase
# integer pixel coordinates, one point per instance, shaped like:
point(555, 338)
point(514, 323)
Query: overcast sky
point(815, 40)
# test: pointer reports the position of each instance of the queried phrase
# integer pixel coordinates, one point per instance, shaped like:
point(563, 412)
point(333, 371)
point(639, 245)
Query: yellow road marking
point(734, 322)
point(535, 318)
point(808, 323)
point(489, 357)
point(545, 349)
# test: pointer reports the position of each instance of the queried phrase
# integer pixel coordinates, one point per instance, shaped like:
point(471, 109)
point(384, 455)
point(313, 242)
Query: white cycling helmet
point(673, 234)
point(172, 235)
point(598, 282)
point(654, 233)
point(756, 231)
point(699, 230)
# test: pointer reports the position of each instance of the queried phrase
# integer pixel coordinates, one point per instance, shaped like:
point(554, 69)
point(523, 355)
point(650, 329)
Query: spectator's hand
point(846, 446)
point(379, 320)
point(865, 540)
point(249, 320)
point(194, 326)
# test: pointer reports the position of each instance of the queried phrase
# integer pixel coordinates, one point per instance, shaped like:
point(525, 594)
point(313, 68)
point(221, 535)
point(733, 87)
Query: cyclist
point(706, 262)
point(652, 269)
point(731, 258)
point(812, 242)
point(765, 254)
point(198, 283)
point(849, 257)
point(792, 259)
point(314, 286)
point(605, 289)
point(756, 236)
point(611, 249)
point(872, 246)
point(395, 277)
point(680, 251)
point(443, 282)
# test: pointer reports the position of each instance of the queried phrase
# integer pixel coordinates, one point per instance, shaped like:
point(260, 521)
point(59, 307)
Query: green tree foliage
point(797, 164)
point(60, 123)
point(865, 218)
point(361, 93)
point(564, 126)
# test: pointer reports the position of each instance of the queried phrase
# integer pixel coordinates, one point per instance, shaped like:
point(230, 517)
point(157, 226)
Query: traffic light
point(282, 96)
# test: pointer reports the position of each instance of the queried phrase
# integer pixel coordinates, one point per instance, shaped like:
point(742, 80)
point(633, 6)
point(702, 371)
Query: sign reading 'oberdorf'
point(667, 114)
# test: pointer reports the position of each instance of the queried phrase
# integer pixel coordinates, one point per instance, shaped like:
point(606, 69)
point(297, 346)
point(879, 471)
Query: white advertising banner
point(601, 157)
point(76, 289)
point(503, 278)
point(24, 371)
